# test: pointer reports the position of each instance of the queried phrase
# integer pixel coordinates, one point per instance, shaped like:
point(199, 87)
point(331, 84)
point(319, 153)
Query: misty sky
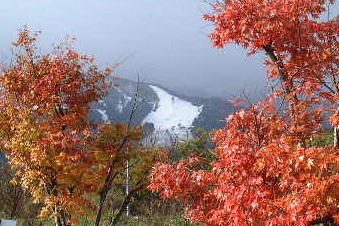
point(164, 41)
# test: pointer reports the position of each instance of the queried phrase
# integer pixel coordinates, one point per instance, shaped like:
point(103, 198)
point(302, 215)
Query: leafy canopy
point(265, 173)
point(44, 127)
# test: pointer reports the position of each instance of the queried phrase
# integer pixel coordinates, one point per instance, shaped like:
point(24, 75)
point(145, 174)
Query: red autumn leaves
point(266, 172)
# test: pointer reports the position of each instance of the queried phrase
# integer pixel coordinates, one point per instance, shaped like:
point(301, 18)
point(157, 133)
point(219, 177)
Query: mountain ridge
point(208, 113)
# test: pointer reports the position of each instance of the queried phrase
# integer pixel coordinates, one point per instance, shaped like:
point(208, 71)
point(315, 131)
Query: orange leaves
point(44, 112)
point(62, 157)
point(259, 177)
point(265, 173)
point(26, 38)
point(290, 28)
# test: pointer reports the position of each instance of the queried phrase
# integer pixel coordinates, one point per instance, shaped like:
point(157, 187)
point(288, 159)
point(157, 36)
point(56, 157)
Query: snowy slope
point(165, 115)
point(103, 114)
point(171, 114)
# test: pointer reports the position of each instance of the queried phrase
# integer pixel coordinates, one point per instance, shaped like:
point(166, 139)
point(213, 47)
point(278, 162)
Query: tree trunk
point(336, 136)
point(64, 218)
point(124, 205)
point(326, 221)
point(283, 76)
point(57, 218)
point(103, 193)
point(99, 213)
point(127, 187)
point(15, 203)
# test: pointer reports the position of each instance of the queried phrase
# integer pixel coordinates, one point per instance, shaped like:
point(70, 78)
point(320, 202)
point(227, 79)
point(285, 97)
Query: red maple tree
point(265, 172)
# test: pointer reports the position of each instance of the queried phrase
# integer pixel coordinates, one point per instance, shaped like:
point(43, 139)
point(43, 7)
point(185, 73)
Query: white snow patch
point(118, 89)
point(172, 114)
point(127, 98)
point(153, 104)
point(103, 114)
point(102, 103)
point(120, 106)
point(123, 103)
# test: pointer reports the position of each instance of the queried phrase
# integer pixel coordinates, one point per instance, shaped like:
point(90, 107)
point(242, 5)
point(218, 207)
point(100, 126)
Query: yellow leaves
point(38, 194)
point(44, 122)
point(45, 211)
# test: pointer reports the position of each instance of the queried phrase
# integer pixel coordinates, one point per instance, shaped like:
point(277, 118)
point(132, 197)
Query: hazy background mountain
point(161, 109)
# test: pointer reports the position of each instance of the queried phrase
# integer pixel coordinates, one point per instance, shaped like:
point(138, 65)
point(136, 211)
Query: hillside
point(161, 109)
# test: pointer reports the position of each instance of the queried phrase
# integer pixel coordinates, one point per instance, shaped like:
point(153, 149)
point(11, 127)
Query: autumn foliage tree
point(302, 52)
point(44, 108)
point(60, 156)
point(265, 172)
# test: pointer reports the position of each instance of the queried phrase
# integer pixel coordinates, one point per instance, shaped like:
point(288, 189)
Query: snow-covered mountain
point(171, 114)
point(160, 110)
